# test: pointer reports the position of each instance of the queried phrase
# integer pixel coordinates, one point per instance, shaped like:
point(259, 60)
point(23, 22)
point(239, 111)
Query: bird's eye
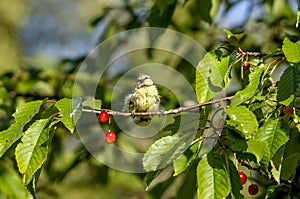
point(146, 77)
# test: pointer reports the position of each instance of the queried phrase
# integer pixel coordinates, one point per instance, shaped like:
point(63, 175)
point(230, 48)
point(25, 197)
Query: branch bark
point(171, 111)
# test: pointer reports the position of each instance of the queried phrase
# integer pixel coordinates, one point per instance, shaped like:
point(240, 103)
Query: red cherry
point(253, 189)
point(243, 177)
point(288, 110)
point(110, 137)
point(103, 117)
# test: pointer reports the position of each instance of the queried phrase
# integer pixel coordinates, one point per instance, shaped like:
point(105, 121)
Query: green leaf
point(243, 119)
point(238, 36)
point(201, 9)
point(245, 156)
point(238, 142)
point(188, 186)
point(10, 183)
point(289, 165)
point(273, 135)
point(288, 86)
point(291, 50)
point(215, 120)
point(235, 181)
point(275, 172)
point(92, 103)
point(163, 4)
point(183, 123)
point(210, 74)
point(70, 111)
point(276, 163)
point(218, 72)
point(184, 160)
point(31, 153)
point(23, 115)
point(165, 150)
point(251, 89)
point(255, 147)
point(213, 180)
point(173, 127)
point(150, 176)
point(3, 94)
point(160, 188)
point(161, 13)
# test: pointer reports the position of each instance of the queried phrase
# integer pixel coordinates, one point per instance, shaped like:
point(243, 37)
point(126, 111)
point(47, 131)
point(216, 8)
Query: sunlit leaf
point(276, 163)
point(92, 103)
point(202, 74)
point(165, 150)
point(213, 179)
point(70, 111)
point(275, 172)
point(238, 36)
point(210, 74)
point(244, 120)
point(251, 89)
point(31, 153)
point(291, 50)
point(218, 72)
point(273, 134)
point(255, 147)
point(23, 115)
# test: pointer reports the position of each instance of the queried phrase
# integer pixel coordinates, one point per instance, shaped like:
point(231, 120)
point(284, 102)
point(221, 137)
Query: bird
point(144, 98)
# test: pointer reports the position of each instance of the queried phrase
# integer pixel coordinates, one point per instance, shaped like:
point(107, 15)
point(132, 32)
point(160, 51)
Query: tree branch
point(171, 111)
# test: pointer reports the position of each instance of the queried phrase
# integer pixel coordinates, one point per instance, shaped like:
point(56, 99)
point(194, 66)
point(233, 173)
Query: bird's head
point(144, 80)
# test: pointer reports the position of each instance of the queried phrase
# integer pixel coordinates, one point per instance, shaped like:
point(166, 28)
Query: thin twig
point(171, 111)
point(263, 173)
point(54, 115)
point(255, 54)
point(51, 101)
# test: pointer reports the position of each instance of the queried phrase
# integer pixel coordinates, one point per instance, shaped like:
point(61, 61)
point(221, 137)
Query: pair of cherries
point(253, 188)
point(110, 136)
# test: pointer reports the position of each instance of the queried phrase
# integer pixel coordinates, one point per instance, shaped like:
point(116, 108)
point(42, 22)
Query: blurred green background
point(42, 43)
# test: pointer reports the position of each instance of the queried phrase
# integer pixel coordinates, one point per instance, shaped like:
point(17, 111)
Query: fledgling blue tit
point(144, 98)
